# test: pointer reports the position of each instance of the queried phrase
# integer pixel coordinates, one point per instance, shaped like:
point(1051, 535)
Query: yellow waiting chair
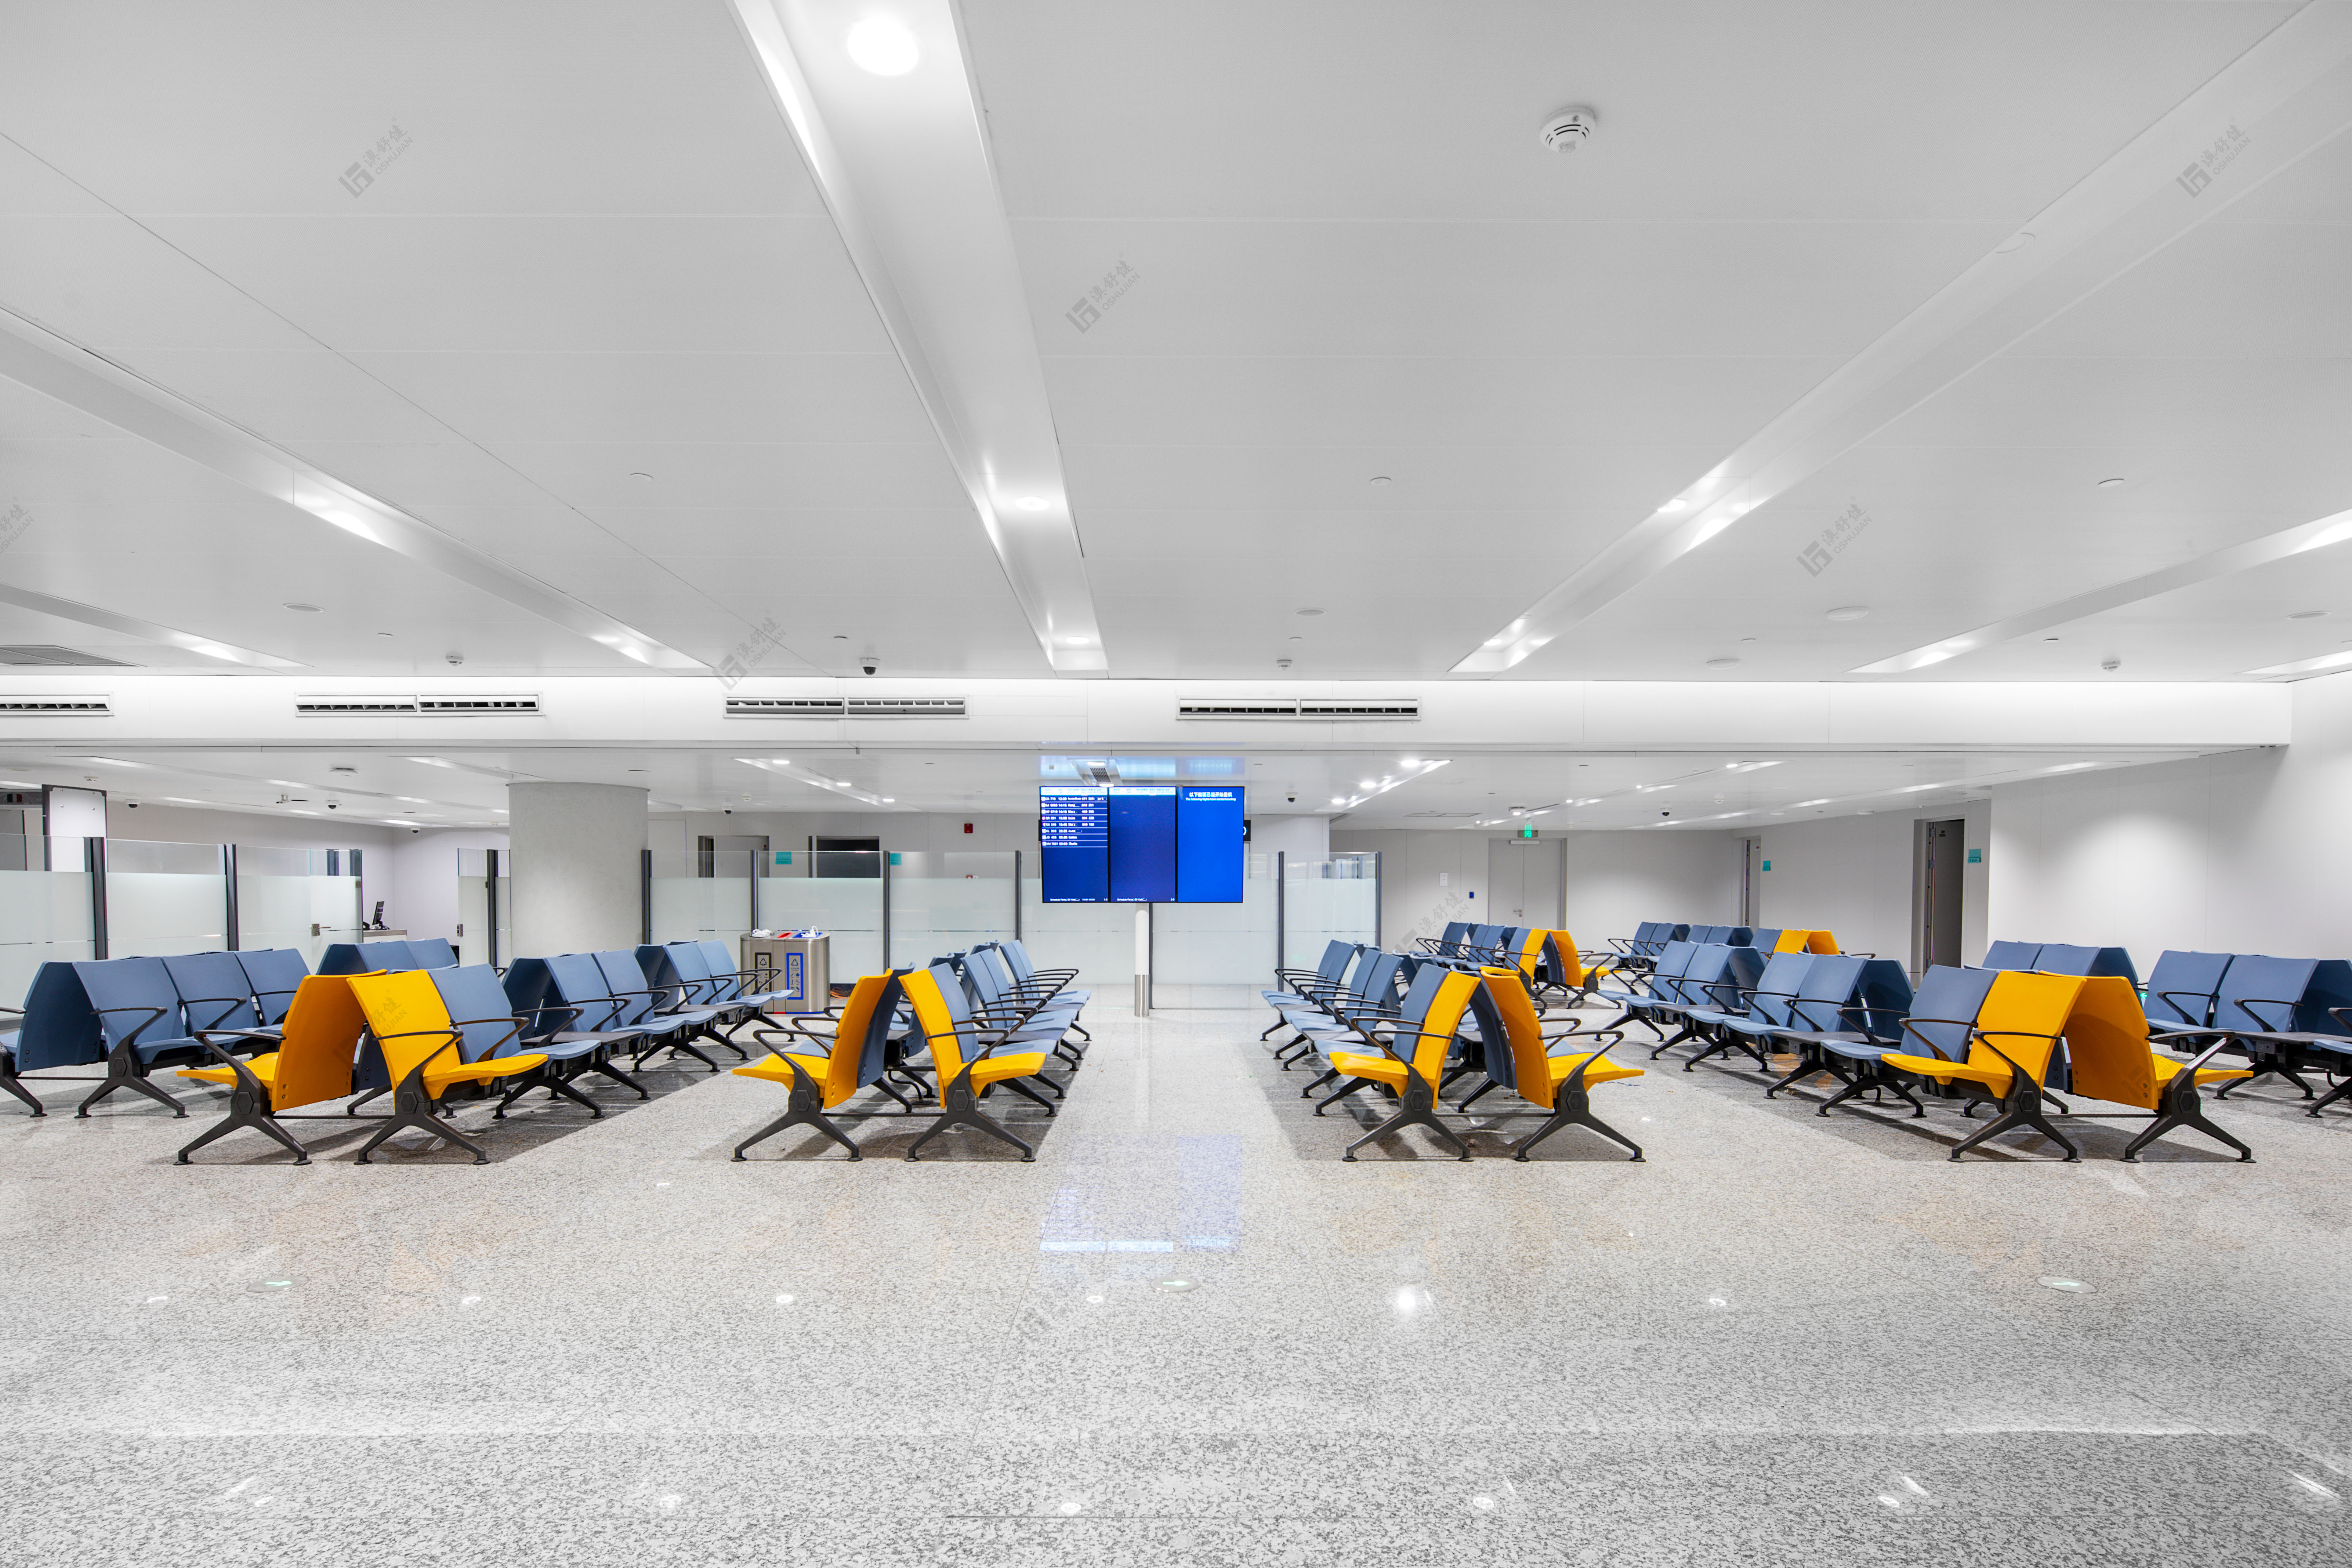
point(825, 1067)
point(1561, 1084)
point(1413, 1079)
point(312, 1063)
point(406, 1015)
point(1797, 941)
point(963, 1059)
point(2011, 1045)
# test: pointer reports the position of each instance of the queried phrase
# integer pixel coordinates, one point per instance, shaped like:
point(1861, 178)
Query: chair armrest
point(1968, 1024)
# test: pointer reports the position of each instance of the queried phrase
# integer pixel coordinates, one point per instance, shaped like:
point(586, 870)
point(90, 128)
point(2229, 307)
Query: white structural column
point(579, 866)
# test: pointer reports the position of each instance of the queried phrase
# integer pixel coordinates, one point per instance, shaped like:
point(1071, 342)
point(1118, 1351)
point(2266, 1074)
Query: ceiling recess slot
point(1316, 710)
point(55, 708)
point(352, 707)
point(524, 707)
point(848, 708)
point(50, 654)
point(390, 706)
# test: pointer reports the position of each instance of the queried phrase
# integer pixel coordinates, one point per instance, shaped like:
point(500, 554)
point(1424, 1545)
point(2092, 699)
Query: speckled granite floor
point(1186, 1336)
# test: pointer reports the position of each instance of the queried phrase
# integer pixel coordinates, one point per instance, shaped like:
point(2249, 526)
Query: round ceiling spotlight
point(881, 46)
point(1569, 129)
point(1849, 612)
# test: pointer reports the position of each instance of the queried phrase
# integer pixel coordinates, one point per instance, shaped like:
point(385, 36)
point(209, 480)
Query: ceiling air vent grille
point(55, 708)
point(352, 707)
point(841, 708)
point(478, 707)
point(50, 654)
point(1320, 710)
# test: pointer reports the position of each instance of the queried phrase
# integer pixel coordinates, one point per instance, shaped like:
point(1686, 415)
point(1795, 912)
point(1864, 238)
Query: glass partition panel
point(44, 915)
point(165, 898)
point(947, 901)
point(1216, 955)
point(1096, 940)
point(849, 908)
point(285, 898)
point(702, 898)
point(473, 942)
point(1324, 901)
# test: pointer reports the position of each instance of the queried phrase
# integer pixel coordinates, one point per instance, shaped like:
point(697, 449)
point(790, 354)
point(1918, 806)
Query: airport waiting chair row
point(367, 957)
point(981, 1020)
point(2286, 1015)
point(130, 1014)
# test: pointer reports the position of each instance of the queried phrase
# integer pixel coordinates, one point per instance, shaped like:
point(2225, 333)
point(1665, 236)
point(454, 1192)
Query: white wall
point(1615, 880)
point(579, 876)
point(420, 886)
point(1853, 875)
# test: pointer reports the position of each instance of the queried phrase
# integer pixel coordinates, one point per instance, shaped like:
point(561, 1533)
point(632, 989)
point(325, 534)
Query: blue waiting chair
point(2064, 958)
point(2279, 1012)
point(1717, 972)
point(623, 982)
point(365, 957)
point(140, 1015)
point(2013, 955)
point(273, 974)
point(2182, 989)
point(431, 952)
point(478, 1005)
point(1753, 1012)
point(1850, 1012)
point(216, 994)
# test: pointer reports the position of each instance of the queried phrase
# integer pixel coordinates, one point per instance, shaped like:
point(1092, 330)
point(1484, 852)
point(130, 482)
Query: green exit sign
point(1528, 832)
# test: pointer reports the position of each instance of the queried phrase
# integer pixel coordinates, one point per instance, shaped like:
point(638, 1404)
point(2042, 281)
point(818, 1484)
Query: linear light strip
point(903, 163)
point(2291, 93)
point(148, 631)
point(55, 366)
point(2334, 529)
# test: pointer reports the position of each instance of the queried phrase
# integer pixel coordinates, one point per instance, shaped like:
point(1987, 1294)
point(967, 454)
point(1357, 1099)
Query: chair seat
point(2166, 1069)
point(1379, 1070)
point(995, 1069)
point(1995, 1079)
point(263, 1067)
point(567, 1047)
point(438, 1078)
point(1602, 1070)
point(773, 1071)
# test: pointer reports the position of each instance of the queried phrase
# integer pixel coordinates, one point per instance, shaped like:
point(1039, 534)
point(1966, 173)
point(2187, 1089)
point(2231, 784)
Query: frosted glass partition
point(1323, 901)
point(690, 906)
point(166, 898)
point(285, 898)
point(44, 915)
point(1216, 955)
point(947, 901)
point(1096, 940)
point(473, 942)
point(849, 908)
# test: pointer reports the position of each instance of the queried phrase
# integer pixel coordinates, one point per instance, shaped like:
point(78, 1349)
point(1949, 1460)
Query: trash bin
point(797, 963)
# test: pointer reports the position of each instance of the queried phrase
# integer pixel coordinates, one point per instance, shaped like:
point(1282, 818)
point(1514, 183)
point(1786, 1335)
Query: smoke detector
point(1569, 129)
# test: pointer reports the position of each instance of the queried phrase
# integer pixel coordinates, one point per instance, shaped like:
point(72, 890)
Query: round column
point(579, 866)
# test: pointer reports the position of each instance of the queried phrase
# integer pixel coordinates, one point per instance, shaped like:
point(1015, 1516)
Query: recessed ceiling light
point(1077, 642)
point(2306, 614)
point(1746, 639)
point(1310, 611)
point(1033, 503)
point(640, 474)
point(384, 633)
point(2015, 242)
point(1380, 479)
point(889, 800)
point(2049, 639)
point(2070, 768)
point(2114, 484)
point(1410, 762)
point(880, 45)
point(306, 609)
point(1849, 612)
point(1678, 504)
point(1724, 663)
point(841, 782)
point(1366, 784)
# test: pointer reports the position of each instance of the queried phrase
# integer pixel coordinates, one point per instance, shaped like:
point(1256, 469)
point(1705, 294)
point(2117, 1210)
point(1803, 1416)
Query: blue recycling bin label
point(795, 977)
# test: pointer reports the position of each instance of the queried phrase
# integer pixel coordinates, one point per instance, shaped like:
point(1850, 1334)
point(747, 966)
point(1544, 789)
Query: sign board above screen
point(1141, 843)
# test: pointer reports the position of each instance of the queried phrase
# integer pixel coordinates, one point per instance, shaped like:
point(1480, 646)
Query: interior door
point(1524, 879)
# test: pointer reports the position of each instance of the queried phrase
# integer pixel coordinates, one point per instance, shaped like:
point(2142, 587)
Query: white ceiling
point(597, 253)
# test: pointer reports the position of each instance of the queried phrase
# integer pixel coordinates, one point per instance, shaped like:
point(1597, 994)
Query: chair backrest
point(1439, 1024)
point(214, 992)
point(407, 1018)
point(58, 1029)
point(2264, 993)
point(942, 1019)
point(1564, 964)
point(432, 953)
point(131, 986)
point(1705, 935)
point(659, 966)
point(578, 979)
point(1828, 986)
point(2064, 958)
point(984, 982)
point(387, 956)
point(680, 963)
point(1674, 959)
point(860, 1037)
point(723, 967)
point(1487, 938)
point(1380, 992)
point(1949, 1000)
point(2022, 1017)
point(2011, 956)
point(1513, 1035)
point(1764, 940)
point(2182, 987)
point(1527, 952)
point(1649, 933)
point(323, 1022)
point(1738, 936)
point(478, 1006)
point(1457, 932)
point(621, 976)
point(1718, 972)
point(1778, 987)
point(274, 976)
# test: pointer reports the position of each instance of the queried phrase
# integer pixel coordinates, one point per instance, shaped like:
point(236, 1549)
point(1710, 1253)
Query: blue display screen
point(1074, 844)
point(1143, 843)
point(1210, 856)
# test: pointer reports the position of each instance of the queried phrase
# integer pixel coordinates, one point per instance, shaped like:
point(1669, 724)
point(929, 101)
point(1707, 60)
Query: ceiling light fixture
point(1338, 800)
point(1678, 504)
point(2305, 615)
point(2070, 768)
point(306, 609)
point(1724, 663)
point(1033, 503)
point(2305, 666)
point(881, 46)
point(1310, 611)
point(2114, 484)
point(1849, 612)
point(1823, 801)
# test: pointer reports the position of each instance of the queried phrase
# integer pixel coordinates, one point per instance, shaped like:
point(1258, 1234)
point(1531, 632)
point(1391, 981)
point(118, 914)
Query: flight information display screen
point(1074, 844)
point(1211, 855)
point(1141, 843)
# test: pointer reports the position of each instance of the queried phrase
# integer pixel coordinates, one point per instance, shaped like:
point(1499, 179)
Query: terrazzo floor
point(1186, 1336)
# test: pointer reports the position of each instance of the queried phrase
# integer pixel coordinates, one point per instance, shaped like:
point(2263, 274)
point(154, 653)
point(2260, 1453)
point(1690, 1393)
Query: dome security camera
point(2111, 664)
point(132, 804)
point(869, 664)
point(1291, 798)
point(1666, 813)
point(413, 831)
point(333, 807)
point(455, 659)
